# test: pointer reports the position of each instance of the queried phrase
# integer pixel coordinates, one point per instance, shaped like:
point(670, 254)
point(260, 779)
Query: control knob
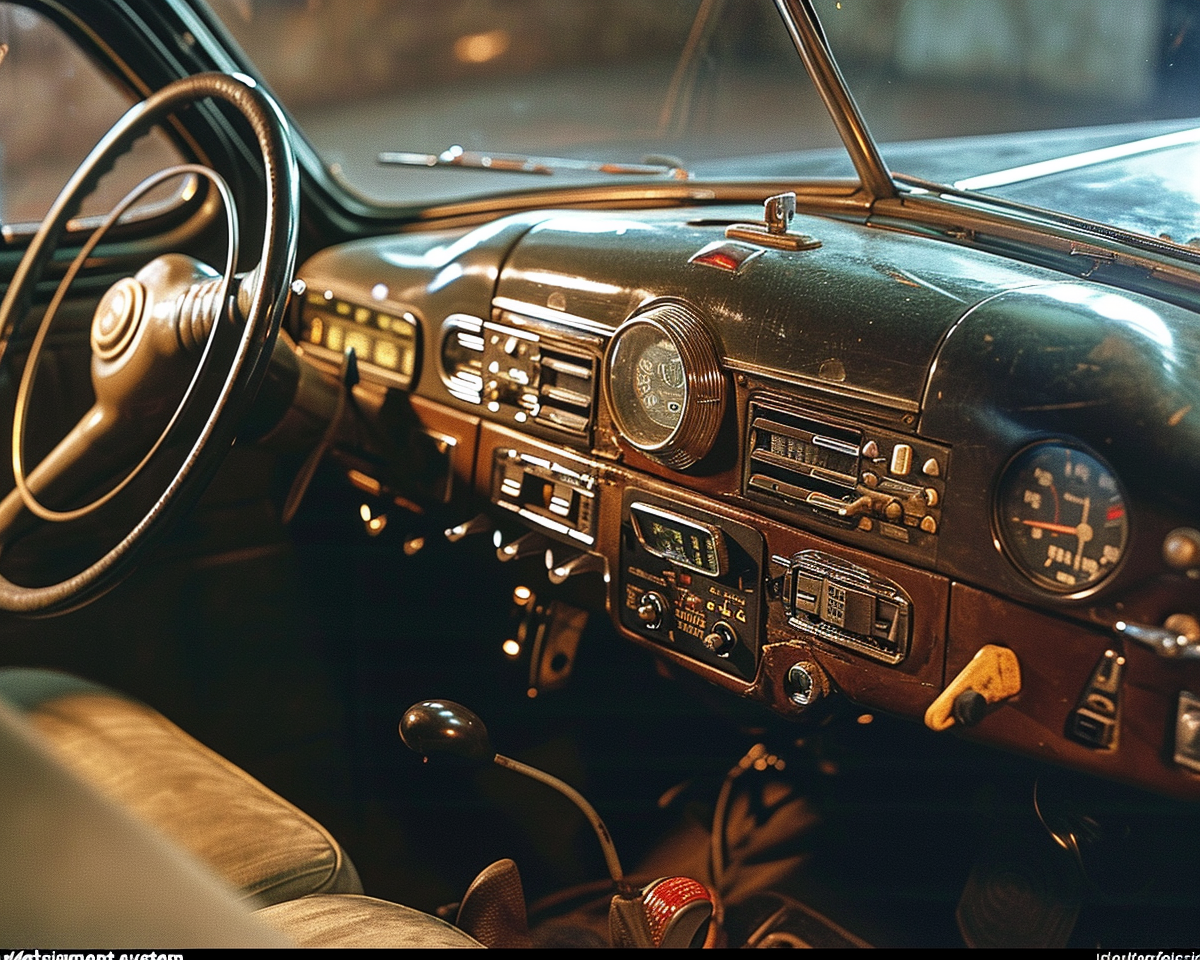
point(650, 609)
point(721, 640)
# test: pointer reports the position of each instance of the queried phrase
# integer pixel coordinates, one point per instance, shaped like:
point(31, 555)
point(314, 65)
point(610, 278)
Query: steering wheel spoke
point(84, 458)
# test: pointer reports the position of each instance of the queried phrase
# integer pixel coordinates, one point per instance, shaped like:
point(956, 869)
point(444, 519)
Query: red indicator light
point(727, 256)
point(1115, 512)
point(719, 259)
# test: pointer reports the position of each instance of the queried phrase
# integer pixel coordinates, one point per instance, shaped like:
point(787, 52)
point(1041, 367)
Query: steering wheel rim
point(263, 310)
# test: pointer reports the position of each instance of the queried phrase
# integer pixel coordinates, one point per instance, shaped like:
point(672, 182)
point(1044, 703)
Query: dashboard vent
point(798, 460)
point(462, 357)
point(566, 387)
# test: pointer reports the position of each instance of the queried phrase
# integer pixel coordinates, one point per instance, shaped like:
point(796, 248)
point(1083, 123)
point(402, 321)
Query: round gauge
point(664, 385)
point(1062, 517)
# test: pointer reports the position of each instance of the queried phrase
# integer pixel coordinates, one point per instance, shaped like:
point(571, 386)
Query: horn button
point(117, 318)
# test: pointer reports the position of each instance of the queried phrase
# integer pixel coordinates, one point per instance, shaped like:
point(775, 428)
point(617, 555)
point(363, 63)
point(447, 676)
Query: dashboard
point(846, 463)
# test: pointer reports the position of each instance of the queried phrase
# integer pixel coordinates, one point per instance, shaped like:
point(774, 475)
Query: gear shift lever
point(667, 913)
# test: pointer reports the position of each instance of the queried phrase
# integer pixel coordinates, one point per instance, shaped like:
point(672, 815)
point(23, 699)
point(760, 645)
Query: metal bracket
point(778, 212)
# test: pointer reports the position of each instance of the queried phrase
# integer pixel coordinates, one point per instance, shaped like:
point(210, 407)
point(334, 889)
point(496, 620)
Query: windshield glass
point(1082, 106)
point(463, 98)
point(446, 100)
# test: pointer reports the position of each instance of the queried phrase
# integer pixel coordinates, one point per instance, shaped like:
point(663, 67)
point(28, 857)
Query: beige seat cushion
point(356, 921)
point(261, 844)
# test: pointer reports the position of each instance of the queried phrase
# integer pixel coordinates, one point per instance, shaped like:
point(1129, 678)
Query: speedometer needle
point(1052, 527)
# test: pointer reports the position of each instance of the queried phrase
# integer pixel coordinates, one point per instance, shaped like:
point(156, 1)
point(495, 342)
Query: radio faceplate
point(692, 582)
point(881, 488)
point(555, 497)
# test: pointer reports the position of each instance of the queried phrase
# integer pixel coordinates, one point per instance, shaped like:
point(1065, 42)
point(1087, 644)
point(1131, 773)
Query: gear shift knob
point(672, 912)
point(442, 726)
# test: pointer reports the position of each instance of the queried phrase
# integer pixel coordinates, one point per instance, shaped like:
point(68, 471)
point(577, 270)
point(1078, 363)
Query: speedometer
point(664, 385)
point(660, 386)
point(1062, 517)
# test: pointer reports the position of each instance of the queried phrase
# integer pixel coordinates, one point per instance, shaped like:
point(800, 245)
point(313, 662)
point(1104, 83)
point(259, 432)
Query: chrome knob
point(580, 563)
point(650, 609)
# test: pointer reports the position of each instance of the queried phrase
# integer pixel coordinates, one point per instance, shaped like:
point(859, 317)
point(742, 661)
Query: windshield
point(692, 85)
point(446, 100)
point(1085, 107)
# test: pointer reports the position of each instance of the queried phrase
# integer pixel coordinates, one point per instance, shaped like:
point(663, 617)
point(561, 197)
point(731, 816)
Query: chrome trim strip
point(553, 316)
point(842, 391)
point(1076, 161)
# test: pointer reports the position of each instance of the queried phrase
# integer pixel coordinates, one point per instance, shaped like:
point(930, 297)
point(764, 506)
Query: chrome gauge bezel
point(1071, 550)
point(684, 440)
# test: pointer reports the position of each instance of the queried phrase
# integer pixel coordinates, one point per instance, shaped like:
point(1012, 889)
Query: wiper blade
point(456, 156)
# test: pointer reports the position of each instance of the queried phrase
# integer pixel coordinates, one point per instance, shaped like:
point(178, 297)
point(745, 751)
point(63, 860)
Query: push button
point(902, 455)
point(1187, 731)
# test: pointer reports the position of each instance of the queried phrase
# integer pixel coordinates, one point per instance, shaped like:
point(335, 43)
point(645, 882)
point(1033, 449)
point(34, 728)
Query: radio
point(830, 599)
point(884, 487)
point(691, 582)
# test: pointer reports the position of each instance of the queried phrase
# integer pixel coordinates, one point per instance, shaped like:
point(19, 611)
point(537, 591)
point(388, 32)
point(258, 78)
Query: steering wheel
point(151, 332)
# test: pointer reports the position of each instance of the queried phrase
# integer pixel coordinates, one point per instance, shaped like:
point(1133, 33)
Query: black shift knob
point(442, 726)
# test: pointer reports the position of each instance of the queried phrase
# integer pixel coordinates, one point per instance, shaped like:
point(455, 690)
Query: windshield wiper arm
point(456, 156)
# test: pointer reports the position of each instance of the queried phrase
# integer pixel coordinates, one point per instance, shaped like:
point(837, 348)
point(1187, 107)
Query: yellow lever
point(993, 673)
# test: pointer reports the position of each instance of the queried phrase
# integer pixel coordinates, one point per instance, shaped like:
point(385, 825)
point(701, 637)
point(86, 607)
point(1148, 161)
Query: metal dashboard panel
point(863, 314)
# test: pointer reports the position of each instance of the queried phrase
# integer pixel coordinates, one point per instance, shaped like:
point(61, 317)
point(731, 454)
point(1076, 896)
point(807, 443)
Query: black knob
point(969, 707)
point(441, 726)
point(721, 640)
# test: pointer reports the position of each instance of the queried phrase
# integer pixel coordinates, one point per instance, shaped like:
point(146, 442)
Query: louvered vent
point(566, 386)
point(462, 357)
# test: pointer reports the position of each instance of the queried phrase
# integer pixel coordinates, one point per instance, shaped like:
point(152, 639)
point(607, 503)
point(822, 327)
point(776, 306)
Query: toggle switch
point(558, 572)
point(523, 546)
point(993, 675)
point(477, 524)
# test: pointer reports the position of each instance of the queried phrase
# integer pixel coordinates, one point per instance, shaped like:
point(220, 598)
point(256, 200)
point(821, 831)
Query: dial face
point(1062, 517)
point(649, 384)
point(660, 383)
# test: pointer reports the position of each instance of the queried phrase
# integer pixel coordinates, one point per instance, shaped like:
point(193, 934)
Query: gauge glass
point(661, 388)
point(1062, 517)
point(649, 384)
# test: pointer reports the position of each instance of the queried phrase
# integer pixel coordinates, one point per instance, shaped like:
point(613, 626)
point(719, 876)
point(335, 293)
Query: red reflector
point(719, 259)
point(726, 255)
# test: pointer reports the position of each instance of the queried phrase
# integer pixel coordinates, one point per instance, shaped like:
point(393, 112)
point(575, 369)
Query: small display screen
point(690, 544)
